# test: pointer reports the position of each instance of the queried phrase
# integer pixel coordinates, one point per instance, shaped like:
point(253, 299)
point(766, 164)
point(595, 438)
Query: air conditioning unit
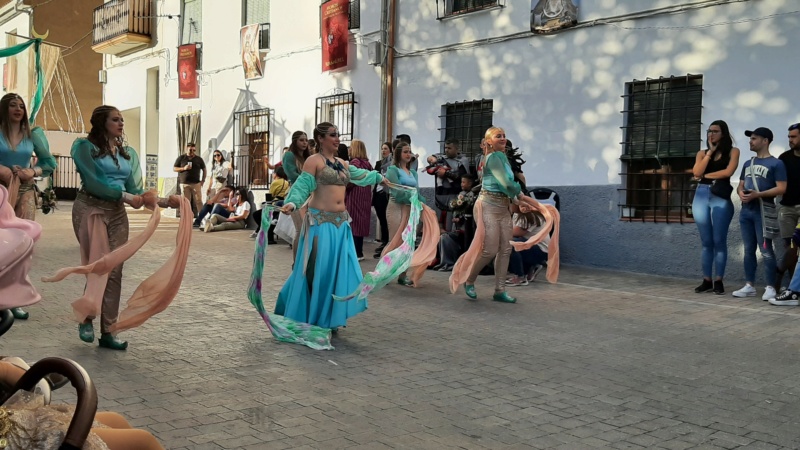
point(375, 52)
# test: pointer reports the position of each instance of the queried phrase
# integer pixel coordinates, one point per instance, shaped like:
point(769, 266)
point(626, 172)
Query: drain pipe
point(390, 71)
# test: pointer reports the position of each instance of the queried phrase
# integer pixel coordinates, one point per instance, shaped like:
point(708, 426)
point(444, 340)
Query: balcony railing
point(121, 26)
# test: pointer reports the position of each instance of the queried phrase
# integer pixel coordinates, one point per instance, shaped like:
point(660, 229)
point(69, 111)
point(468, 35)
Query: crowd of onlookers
point(456, 186)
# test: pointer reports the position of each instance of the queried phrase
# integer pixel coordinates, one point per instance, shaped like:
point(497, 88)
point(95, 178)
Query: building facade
point(609, 110)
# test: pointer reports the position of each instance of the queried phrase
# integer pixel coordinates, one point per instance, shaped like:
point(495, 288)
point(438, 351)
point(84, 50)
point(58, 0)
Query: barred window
point(251, 142)
point(661, 137)
point(455, 7)
point(257, 12)
point(467, 121)
point(191, 21)
point(338, 109)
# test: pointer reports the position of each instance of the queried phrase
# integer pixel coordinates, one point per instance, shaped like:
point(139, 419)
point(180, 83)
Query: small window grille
point(661, 137)
point(338, 109)
point(447, 8)
point(467, 121)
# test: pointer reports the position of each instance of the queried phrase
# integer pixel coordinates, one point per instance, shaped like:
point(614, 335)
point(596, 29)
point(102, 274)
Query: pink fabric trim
point(153, 295)
point(552, 221)
point(426, 252)
point(8, 219)
point(463, 266)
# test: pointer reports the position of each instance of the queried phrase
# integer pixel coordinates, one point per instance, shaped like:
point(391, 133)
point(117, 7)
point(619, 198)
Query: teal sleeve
point(134, 184)
point(92, 178)
point(41, 148)
point(499, 169)
point(289, 163)
point(362, 177)
point(301, 189)
point(400, 196)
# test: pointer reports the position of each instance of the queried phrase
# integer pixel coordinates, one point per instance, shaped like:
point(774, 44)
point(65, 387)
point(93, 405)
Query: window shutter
point(256, 11)
point(192, 21)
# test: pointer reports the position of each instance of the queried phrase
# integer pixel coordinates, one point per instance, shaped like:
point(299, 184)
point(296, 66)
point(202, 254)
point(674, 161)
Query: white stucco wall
point(559, 96)
point(18, 23)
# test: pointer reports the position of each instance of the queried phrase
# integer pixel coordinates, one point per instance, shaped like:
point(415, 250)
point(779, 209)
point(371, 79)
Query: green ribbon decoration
point(38, 96)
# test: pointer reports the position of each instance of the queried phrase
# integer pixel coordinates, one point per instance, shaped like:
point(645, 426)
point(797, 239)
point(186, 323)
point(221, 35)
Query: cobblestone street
point(601, 360)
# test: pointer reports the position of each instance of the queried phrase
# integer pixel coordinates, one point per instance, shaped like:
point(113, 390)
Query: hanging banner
point(187, 72)
point(552, 15)
point(249, 43)
point(335, 18)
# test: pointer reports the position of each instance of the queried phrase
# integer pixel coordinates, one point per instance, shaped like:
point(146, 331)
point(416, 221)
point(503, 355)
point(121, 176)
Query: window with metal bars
point(338, 109)
point(661, 137)
point(467, 121)
point(456, 7)
point(257, 12)
point(191, 21)
point(251, 144)
point(354, 14)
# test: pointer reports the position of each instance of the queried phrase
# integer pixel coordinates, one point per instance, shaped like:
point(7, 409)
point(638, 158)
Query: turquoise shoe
point(107, 340)
point(20, 314)
point(404, 280)
point(86, 332)
point(503, 297)
point(470, 290)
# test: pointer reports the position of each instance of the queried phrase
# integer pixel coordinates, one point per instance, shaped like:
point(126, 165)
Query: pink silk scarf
point(426, 252)
point(153, 295)
point(552, 221)
point(17, 237)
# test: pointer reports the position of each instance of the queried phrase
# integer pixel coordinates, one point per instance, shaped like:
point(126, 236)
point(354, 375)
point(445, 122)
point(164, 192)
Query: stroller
point(16, 249)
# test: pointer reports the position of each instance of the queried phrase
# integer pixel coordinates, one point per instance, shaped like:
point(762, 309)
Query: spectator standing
point(789, 208)
point(448, 170)
point(219, 173)
point(191, 175)
point(293, 161)
point(712, 207)
point(359, 198)
point(762, 179)
point(342, 153)
point(380, 197)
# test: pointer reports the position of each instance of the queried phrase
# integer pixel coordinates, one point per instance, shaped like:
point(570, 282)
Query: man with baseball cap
point(762, 179)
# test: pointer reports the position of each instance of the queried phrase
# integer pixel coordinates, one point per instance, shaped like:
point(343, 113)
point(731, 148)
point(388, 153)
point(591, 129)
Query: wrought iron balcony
point(121, 26)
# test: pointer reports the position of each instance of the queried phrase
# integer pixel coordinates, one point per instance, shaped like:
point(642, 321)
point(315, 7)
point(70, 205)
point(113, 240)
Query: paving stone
point(601, 359)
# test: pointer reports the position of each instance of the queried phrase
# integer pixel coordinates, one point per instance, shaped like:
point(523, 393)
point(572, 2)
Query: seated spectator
point(455, 242)
point(236, 221)
point(278, 189)
point(44, 426)
point(218, 203)
point(525, 265)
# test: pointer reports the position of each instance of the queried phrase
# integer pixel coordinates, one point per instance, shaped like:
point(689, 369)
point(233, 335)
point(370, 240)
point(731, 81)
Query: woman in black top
point(712, 207)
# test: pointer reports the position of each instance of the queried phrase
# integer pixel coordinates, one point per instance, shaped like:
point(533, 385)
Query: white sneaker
point(769, 293)
point(746, 291)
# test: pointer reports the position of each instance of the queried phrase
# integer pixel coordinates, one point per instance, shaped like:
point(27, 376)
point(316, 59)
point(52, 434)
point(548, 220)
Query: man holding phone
point(189, 167)
point(763, 178)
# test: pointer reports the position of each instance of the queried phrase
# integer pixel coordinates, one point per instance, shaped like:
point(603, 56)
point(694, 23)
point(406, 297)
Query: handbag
point(285, 229)
point(769, 212)
point(722, 188)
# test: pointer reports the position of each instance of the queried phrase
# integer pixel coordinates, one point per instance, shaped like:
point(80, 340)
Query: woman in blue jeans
point(712, 212)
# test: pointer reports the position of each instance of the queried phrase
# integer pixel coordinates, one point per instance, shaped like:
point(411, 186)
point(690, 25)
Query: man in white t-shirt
point(236, 221)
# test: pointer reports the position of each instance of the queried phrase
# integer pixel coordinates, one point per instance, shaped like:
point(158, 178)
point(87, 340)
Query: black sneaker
point(786, 298)
point(705, 286)
point(719, 289)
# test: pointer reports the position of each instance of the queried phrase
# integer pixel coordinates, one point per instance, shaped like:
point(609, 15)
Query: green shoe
point(470, 290)
point(107, 340)
point(404, 280)
point(20, 314)
point(86, 332)
point(503, 297)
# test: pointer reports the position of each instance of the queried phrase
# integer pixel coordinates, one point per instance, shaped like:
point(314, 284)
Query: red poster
point(335, 16)
point(187, 72)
